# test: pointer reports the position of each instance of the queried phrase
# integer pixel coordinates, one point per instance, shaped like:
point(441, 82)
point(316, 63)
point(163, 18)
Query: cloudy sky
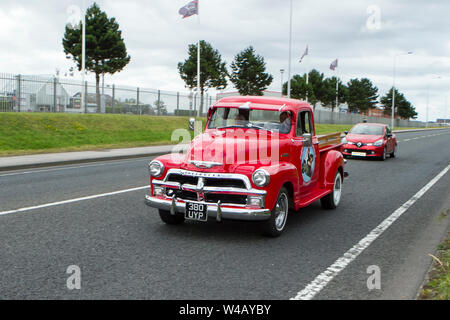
point(363, 35)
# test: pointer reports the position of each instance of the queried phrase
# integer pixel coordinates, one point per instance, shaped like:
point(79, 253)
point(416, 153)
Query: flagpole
point(307, 80)
point(290, 47)
point(83, 58)
point(337, 90)
point(198, 63)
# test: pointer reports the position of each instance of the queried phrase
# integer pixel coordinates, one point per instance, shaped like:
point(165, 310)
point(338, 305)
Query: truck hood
point(225, 150)
point(365, 138)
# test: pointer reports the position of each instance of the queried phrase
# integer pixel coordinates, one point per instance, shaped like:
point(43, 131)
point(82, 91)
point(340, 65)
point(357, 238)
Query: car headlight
point(261, 178)
point(156, 168)
point(378, 143)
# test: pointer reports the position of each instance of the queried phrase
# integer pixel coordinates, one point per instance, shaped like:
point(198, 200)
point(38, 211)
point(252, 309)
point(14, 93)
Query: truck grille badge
point(205, 164)
point(199, 189)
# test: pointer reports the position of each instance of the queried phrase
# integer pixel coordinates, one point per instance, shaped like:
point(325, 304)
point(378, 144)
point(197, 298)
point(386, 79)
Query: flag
point(304, 54)
point(334, 64)
point(189, 10)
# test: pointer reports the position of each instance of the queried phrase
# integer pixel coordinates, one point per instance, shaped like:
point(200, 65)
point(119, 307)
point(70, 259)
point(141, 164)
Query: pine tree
point(105, 48)
point(213, 71)
point(248, 73)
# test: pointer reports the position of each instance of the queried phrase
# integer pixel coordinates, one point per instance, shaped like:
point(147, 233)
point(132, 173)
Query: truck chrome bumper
point(215, 210)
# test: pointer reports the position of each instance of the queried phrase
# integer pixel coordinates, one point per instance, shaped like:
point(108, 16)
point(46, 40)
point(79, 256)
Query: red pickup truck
point(257, 159)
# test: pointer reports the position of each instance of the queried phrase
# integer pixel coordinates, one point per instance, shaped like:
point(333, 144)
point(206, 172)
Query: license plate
point(196, 211)
point(359, 154)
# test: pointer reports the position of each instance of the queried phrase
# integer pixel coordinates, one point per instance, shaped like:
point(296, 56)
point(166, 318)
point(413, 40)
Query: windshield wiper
point(251, 125)
point(248, 125)
point(233, 126)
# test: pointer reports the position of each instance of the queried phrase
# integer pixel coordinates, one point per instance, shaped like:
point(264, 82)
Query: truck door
point(306, 156)
point(389, 140)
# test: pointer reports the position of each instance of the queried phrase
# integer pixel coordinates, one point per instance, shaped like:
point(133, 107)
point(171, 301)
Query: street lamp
point(393, 88)
point(83, 57)
point(281, 71)
point(290, 49)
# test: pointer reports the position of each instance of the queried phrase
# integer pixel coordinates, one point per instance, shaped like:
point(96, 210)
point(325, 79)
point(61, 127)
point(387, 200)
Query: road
point(124, 251)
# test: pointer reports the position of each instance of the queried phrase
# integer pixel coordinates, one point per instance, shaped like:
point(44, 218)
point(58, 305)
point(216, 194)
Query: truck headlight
point(156, 168)
point(378, 143)
point(261, 178)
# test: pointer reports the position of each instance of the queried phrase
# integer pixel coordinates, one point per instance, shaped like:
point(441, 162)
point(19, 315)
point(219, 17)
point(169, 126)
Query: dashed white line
point(52, 204)
point(421, 137)
point(69, 168)
point(320, 282)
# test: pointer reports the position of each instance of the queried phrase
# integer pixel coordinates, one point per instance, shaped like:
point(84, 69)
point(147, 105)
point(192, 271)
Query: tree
point(362, 95)
point(315, 78)
point(160, 107)
point(105, 48)
point(213, 71)
point(248, 75)
point(403, 107)
point(299, 88)
point(329, 96)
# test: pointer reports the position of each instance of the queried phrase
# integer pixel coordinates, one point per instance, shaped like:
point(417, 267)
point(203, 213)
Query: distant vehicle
point(372, 140)
point(306, 168)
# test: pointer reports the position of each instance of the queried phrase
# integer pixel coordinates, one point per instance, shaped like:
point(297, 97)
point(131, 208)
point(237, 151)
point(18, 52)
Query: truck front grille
point(209, 182)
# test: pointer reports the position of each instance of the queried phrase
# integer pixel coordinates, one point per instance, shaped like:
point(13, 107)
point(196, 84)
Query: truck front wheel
point(331, 200)
point(171, 219)
point(274, 226)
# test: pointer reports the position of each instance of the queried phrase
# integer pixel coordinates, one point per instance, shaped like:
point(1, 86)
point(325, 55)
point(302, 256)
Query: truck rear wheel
point(331, 200)
point(274, 226)
point(166, 217)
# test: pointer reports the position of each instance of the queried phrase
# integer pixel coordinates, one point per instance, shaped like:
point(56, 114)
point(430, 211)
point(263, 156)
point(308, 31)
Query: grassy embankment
point(28, 133)
point(437, 286)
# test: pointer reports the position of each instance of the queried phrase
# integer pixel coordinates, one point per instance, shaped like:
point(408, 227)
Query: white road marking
point(421, 137)
point(69, 168)
point(52, 204)
point(312, 289)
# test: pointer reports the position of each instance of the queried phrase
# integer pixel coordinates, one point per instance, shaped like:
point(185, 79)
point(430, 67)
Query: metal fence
point(328, 117)
point(22, 93)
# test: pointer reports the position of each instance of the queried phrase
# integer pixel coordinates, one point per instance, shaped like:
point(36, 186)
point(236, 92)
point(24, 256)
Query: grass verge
point(437, 285)
point(32, 133)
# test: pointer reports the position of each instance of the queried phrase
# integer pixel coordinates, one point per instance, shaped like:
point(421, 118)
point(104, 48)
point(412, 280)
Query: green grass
point(437, 286)
point(25, 133)
point(28, 133)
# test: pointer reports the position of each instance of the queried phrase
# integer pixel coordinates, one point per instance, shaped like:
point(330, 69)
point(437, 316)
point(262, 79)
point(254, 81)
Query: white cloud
point(157, 39)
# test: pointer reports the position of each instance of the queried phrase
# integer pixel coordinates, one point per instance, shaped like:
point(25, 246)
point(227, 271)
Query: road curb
point(78, 161)
point(92, 158)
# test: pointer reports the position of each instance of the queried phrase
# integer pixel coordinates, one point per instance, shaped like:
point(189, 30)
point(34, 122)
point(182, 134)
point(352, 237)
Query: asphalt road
point(125, 251)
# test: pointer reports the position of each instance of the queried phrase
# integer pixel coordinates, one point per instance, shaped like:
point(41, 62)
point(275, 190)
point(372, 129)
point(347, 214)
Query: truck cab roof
point(264, 103)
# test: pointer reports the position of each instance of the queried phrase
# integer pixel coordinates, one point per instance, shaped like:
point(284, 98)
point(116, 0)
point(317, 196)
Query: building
point(31, 94)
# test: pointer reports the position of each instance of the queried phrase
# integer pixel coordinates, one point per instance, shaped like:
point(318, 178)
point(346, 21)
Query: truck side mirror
point(191, 124)
point(307, 139)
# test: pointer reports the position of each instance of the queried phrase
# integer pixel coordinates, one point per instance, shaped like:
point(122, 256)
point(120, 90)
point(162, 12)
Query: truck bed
point(329, 141)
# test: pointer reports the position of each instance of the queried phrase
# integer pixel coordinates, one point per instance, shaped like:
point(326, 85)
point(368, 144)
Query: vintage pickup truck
point(257, 159)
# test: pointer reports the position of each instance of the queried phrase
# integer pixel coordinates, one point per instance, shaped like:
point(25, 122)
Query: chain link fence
point(22, 93)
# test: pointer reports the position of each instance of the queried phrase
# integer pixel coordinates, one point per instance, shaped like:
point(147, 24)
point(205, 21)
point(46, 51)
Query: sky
point(364, 35)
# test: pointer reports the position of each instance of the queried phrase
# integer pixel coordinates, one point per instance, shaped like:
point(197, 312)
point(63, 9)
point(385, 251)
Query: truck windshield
point(367, 129)
point(270, 120)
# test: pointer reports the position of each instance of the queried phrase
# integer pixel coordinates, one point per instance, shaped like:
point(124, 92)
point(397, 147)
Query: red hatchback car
point(372, 140)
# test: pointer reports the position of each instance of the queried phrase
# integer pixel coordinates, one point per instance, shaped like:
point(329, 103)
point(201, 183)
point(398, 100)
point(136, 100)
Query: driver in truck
point(285, 122)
